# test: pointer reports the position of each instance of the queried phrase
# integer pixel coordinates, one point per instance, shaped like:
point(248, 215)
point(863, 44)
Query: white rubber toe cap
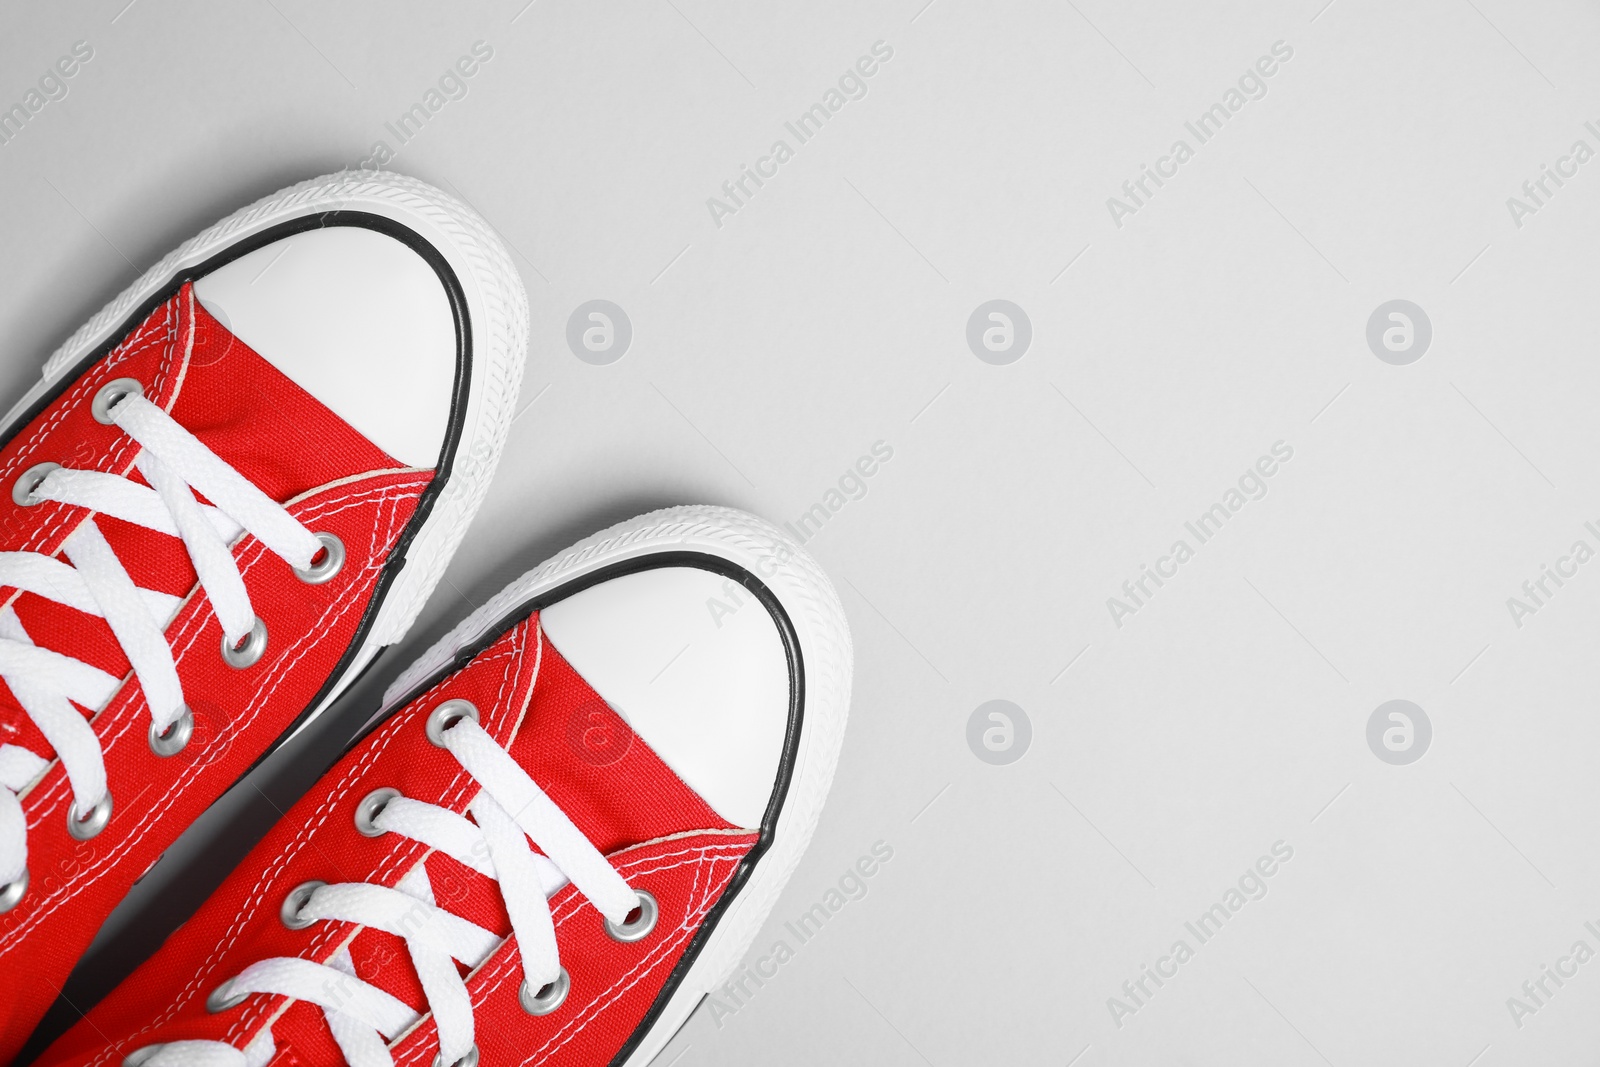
point(358, 320)
point(695, 664)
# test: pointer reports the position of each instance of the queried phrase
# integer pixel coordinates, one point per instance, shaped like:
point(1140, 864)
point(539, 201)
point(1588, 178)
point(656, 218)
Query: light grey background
point(1168, 353)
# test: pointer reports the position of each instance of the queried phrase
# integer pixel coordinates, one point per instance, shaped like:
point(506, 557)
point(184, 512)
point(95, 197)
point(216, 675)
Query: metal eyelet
point(248, 651)
point(370, 808)
point(447, 715)
point(12, 892)
point(27, 484)
point(634, 929)
point(469, 1060)
point(548, 998)
point(83, 827)
point(176, 736)
point(223, 997)
point(332, 561)
point(141, 1056)
point(110, 395)
point(294, 903)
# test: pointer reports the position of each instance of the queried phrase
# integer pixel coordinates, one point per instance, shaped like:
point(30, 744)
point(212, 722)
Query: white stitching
point(117, 718)
point(358, 770)
point(409, 853)
point(235, 727)
point(501, 967)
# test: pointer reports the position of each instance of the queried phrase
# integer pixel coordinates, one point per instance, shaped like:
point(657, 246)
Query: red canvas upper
point(657, 832)
point(300, 454)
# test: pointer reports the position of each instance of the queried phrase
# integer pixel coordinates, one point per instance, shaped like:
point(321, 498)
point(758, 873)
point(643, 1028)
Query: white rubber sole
point(819, 624)
point(497, 311)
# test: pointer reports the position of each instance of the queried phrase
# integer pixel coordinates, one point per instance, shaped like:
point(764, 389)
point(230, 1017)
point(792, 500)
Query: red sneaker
point(231, 489)
point(659, 708)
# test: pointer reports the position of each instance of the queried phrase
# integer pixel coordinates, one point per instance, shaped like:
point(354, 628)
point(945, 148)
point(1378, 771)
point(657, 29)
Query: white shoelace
point(47, 684)
point(509, 809)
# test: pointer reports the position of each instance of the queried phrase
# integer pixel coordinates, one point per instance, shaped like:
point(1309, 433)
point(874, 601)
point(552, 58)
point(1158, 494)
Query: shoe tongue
point(257, 419)
point(610, 783)
point(605, 778)
point(236, 403)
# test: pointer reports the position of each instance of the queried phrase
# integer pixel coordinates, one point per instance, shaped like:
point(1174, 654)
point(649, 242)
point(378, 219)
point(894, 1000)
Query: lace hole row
point(636, 925)
point(81, 826)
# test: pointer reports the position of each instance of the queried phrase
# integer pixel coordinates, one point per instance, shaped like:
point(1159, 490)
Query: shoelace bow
point(47, 683)
point(509, 809)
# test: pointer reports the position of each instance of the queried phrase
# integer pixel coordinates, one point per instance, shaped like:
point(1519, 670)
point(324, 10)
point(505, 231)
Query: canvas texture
point(299, 453)
point(656, 831)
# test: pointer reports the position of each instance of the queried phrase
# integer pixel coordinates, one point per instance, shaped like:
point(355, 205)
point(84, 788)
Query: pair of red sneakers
point(232, 488)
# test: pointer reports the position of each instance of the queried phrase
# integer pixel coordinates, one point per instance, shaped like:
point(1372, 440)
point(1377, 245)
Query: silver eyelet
point(294, 903)
point(469, 1060)
point(141, 1056)
point(447, 715)
point(639, 928)
point(249, 650)
point(370, 807)
point(12, 892)
point(27, 484)
point(332, 561)
point(548, 998)
point(223, 997)
point(110, 395)
point(175, 738)
point(83, 827)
